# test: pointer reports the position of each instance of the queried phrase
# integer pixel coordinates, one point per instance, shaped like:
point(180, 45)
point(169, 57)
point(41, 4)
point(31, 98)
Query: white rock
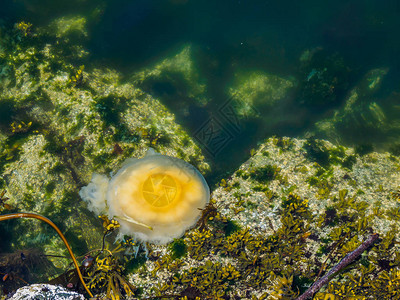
point(45, 292)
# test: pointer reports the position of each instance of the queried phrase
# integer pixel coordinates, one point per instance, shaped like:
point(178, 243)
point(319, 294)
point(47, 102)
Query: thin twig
point(349, 258)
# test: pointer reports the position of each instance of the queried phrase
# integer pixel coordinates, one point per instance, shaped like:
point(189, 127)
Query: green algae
point(178, 248)
point(230, 227)
point(62, 122)
point(317, 152)
point(7, 113)
point(304, 238)
point(277, 261)
point(363, 111)
point(264, 174)
point(256, 92)
point(325, 79)
point(174, 78)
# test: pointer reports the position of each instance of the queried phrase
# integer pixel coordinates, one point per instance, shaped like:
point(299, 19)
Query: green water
point(233, 73)
point(349, 38)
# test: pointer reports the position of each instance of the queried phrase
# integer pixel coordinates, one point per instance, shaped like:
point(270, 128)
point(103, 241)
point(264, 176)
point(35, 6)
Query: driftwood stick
point(349, 258)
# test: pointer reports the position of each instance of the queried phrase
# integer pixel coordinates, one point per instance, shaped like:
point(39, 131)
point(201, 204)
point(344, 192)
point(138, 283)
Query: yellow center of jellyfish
point(159, 190)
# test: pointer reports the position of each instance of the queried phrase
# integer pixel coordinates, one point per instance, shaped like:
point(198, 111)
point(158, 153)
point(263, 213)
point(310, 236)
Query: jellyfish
point(155, 198)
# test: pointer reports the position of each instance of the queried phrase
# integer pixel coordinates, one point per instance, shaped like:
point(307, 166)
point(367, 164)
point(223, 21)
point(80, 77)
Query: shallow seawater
point(230, 39)
point(232, 73)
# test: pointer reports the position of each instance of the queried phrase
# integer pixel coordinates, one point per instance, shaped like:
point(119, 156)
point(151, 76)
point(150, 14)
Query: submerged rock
point(281, 220)
point(364, 111)
point(274, 224)
point(66, 122)
point(324, 175)
point(257, 93)
point(175, 79)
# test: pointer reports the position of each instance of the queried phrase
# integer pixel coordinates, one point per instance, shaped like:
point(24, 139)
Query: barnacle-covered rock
point(287, 215)
point(45, 292)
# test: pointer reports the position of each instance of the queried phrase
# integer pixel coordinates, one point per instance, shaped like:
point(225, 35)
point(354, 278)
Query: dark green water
point(228, 37)
point(348, 42)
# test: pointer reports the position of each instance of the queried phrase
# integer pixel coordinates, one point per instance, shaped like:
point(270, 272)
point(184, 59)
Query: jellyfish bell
point(155, 198)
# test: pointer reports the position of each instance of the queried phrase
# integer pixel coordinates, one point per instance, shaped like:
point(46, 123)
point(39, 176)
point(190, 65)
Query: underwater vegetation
point(285, 242)
point(286, 217)
point(279, 264)
point(349, 258)
point(44, 219)
point(365, 117)
point(102, 271)
point(61, 120)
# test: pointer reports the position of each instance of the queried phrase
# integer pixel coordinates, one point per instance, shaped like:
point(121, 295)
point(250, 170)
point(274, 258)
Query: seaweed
point(230, 227)
point(349, 161)
point(316, 151)
point(264, 174)
point(178, 248)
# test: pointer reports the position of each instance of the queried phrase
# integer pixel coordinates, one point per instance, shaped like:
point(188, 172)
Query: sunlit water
point(229, 37)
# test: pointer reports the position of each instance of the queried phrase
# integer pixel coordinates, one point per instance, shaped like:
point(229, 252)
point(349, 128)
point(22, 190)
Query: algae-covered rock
point(279, 222)
point(175, 79)
point(67, 26)
point(283, 166)
point(64, 122)
point(258, 93)
point(364, 112)
point(286, 216)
